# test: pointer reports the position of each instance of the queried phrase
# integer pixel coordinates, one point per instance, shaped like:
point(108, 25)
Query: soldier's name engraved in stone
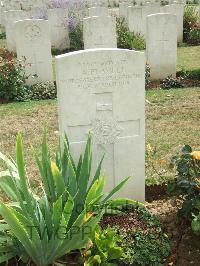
point(106, 70)
point(105, 67)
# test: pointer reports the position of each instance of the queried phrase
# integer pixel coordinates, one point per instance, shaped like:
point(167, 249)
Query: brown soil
point(185, 245)
point(155, 192)
point(194, 82)
point(126, 221)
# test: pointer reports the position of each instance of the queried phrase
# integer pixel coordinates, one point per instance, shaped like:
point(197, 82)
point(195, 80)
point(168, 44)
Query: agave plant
point(46, 228)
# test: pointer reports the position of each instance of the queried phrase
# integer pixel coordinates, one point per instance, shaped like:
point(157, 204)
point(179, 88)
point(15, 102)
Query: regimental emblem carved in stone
point(106, 131)
point(32, 32)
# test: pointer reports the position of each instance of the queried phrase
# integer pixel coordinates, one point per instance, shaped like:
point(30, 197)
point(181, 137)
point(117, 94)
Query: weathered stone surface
point(161, 45)
point(137, 16)
point(123, 9)
point(178, 10)
point(10, 17)
point(102, 91)
point(59, 33)
point(33, 44)
point(98, 11)
point(99, 32)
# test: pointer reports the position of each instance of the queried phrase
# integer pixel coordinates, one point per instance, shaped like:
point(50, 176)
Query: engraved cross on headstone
point(107, 130)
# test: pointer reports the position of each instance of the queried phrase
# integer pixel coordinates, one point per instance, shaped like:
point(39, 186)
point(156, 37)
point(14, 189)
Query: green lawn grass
point(172, 120)
point(188, 58)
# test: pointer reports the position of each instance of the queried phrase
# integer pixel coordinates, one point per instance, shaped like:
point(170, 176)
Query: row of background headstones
point(135, 17)
point(98, 33)
point(58, 24)
point(161, 38)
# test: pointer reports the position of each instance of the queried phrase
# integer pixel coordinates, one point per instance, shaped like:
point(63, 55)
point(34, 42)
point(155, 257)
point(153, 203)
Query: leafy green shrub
point(39, 91)
point(138, 42)
point(12, 78)
point(196, 224)
point(2, 35)
point(76, 35)
point(171, 82)
point(43, 91)
point(196, 218)
point(127, 39)
point(187, 181)
point(191, 28)
point(7, 250)
point(144, 246)
point(62, 219)
point(105, 248)
point(194, 36)
point(147, 248)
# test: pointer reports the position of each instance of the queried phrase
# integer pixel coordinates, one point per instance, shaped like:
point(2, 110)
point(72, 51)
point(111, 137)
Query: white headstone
point(135, 19)
point(102, 91)
point(161, 45)
point(178, 10)
point(137, 16)
point(10, 17)
point(123, 10)
point(98, 11)
point(99, 32)
point(33, 44)
point(58, 21)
